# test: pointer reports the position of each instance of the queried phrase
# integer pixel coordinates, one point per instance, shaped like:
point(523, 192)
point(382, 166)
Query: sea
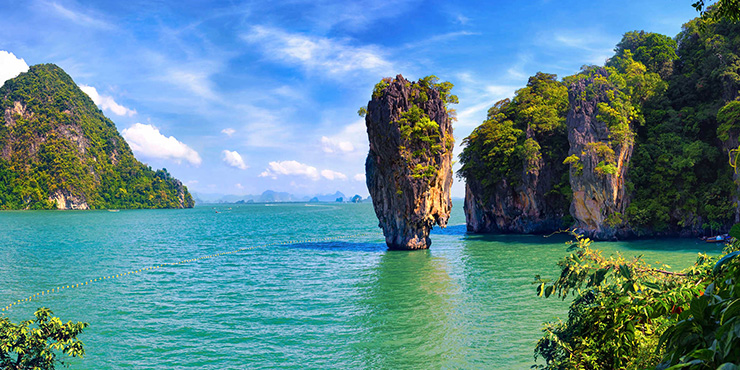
point(288, 286)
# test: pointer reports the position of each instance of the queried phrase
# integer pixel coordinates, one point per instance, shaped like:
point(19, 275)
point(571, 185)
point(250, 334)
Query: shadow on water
point(339, 246)
point(450, 230)
point(559, 238)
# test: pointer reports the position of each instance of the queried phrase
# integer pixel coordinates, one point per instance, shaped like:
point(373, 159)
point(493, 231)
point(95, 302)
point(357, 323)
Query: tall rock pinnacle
point(409, 166)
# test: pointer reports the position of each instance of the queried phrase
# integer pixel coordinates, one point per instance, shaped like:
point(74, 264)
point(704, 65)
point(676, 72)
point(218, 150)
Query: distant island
point(58, 151)
point(270, 196)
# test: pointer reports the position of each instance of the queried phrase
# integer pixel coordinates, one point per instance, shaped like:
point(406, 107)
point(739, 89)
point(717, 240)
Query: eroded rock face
point(525, 208)
point(409, 166)
point(599, 198)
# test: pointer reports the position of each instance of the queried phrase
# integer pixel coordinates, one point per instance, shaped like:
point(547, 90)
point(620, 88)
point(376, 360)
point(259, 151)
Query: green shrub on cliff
point(679, 172)
point(422, 142)
point(518, 135)
point(58, 142)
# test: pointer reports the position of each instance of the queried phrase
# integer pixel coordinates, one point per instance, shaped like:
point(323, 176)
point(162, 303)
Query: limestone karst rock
point(598, 177)
point(409, 165)
point(515, 179)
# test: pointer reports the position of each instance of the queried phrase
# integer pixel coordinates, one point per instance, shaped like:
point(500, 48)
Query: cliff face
point(529, 207)
point(599, 198)
point(409, 165)
point(58, 151)
point(513, 163)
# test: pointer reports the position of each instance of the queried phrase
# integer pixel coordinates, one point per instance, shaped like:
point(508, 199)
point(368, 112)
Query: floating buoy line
point(155, 267)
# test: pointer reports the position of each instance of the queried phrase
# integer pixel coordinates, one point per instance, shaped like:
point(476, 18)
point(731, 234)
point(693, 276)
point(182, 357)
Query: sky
point(238, 97)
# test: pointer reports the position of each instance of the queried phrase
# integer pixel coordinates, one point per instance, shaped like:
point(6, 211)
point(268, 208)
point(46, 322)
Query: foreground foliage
point(34, 344)
point(628, 314)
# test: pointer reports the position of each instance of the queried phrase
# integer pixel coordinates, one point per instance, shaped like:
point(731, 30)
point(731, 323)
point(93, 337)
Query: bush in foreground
point(34, 344)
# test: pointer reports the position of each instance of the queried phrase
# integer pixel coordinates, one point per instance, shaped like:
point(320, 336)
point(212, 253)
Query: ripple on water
point(465, 303)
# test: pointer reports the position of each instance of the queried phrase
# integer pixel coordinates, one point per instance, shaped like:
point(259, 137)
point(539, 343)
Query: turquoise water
point(349, 303)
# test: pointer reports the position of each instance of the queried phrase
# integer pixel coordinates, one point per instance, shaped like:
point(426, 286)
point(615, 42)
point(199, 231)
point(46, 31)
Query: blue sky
point(240, 97)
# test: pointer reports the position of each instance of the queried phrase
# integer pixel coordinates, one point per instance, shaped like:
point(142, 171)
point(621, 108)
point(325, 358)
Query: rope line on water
point(109, 277)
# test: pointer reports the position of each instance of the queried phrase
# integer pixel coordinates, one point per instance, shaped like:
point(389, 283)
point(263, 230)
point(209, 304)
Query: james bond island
point(409, 166)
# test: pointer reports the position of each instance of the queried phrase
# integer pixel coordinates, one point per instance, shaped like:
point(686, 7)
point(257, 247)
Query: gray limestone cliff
point(409, 165)
point(600, 159)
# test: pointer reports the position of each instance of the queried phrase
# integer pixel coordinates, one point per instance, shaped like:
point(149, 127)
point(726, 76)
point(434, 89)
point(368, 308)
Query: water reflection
point(409, 318)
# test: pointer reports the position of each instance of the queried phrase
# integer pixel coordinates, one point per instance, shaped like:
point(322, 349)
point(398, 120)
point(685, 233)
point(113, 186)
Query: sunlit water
point(467, 302)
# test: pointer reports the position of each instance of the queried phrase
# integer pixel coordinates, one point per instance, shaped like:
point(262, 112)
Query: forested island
point(637, 147)
point(58, 151)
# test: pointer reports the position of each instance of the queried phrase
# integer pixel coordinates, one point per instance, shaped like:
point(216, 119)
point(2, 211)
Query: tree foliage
point(520, 135)
point(35, 344)
point(627, 314)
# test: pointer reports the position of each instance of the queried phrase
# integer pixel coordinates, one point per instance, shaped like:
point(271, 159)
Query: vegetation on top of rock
point(518, 133)
point(421, 139)
point(679, 173)
point(57, 149)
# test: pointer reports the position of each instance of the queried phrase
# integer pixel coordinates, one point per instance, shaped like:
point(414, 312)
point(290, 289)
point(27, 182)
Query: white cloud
point(290, 168)
point(351, 139)
point(78, 17)
point(336, 146)
point(239, 186)
point(233, 159)
point(590, 45)
point(332, 56)
point(359, 177)
point(228, 131)
point(333, 175)
point(106, 102)
point(149, 142)
point(10, 66)
point(197, 81)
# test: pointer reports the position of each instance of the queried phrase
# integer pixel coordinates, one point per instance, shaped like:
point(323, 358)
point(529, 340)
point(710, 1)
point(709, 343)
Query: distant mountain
point(271, 196)
point(58, 151)
point(330, 197)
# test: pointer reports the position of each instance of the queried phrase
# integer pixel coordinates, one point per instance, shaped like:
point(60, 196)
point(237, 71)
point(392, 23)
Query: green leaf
point(732, 310)
point(727, 366)
point(724, 260)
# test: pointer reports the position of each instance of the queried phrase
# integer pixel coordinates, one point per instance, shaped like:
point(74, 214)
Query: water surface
point(467, 302)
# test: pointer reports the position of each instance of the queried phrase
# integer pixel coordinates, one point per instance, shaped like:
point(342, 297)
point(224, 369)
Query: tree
point(729, 9)
point(34, 344)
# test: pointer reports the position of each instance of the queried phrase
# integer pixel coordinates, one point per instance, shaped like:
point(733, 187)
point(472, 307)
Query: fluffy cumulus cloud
point(10, 66)
point(329, 145)
point(149, 142)
point(290, 168)
point(332, 56)
point(333, 175)
point(228, 131)
point(359, 177)
point(233, 159)
point(106, 102)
